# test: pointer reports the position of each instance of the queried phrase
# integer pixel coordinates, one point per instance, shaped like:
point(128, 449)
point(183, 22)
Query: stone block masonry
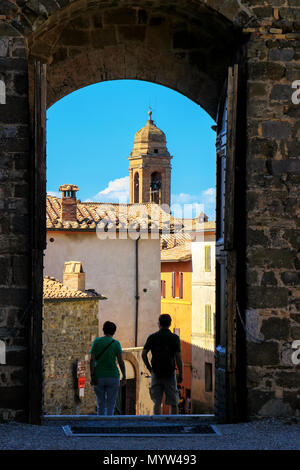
point(69, 328)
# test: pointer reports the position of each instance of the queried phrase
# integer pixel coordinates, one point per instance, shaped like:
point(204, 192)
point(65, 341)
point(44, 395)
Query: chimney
point(68, 202)
point(74, 277)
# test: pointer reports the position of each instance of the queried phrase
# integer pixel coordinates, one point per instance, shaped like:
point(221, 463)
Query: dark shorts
point(164, 385)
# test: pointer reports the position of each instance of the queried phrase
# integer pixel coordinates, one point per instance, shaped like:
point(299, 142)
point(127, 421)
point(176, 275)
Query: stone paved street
point(258, 435)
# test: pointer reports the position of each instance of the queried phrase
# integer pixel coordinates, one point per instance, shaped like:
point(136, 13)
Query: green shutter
point(207, 259)
point(208, 326)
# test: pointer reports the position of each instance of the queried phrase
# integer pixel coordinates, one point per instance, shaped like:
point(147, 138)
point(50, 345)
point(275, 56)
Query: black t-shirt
point(161, 338)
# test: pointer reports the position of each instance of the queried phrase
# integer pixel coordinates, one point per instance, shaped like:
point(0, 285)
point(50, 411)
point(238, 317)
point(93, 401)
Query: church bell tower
point(150, 167)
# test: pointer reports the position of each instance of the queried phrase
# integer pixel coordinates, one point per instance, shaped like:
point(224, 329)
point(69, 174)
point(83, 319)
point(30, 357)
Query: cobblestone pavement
point(265, 434)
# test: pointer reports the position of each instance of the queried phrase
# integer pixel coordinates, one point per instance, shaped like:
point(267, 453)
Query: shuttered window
point(207, 260)
point(174, 285)
point(208, 319)
point(180, 293)
point(163, 289)
point(177, 285)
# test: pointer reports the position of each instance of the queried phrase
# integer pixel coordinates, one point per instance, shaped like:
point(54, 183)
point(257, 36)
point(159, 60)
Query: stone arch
point(37, 13)
point(186, 46)
point(129, 356)
point(187, 49)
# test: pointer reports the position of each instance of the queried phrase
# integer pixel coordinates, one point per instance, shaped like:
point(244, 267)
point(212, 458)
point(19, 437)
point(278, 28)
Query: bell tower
point(150, 167)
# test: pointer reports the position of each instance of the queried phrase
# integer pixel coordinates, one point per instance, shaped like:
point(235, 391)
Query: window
point(163, 289)
point(208, 377)
point(208, 319)
point(164, 244)
point(180, 290)
point(136, 188)
point(207, 262)
point(173, 285)
point(155, 188)
point(177, 285)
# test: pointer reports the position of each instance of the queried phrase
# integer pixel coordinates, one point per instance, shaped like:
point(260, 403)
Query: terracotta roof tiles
point(109, 215)
point(54, 289)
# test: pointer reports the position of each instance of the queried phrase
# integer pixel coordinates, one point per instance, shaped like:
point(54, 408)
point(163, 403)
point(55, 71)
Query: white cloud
point(183, 198)
point(209, 196)
point(54, 193)
point(116, 191)
point(206, 200)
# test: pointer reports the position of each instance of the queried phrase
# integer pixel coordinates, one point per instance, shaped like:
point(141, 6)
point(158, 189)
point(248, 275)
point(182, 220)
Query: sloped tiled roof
point(177, 246)
point(178, 253)
point(108, 215)
point(54, 289)
point(170, 240)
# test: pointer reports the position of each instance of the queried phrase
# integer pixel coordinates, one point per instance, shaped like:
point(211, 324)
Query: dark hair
point(165, 320)
point(109, 328)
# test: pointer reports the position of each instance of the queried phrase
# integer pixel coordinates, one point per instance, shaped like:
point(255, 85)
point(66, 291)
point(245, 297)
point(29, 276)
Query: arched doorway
point(189, 51)
point(127, 399)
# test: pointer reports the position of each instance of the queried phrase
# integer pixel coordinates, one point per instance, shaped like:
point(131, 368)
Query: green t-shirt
point(106, 366)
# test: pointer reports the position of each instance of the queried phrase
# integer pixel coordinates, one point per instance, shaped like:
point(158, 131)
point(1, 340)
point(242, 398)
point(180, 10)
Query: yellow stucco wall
point(180, 311)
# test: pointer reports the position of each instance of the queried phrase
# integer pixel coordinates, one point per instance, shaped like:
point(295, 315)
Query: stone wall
point(15, 259)
point(69, 328)
point(186, 45)
point(273, 177)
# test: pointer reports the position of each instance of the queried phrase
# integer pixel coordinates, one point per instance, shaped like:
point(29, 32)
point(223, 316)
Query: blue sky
point(90, 134)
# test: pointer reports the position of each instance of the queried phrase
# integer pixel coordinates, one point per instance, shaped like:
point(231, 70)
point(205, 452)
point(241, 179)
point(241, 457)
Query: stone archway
point(193, 40)
point(132, 393)
point(188, 50)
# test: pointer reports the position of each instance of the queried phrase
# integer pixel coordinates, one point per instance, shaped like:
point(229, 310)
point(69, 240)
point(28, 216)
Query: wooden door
point(38, 238)
point(226, 254)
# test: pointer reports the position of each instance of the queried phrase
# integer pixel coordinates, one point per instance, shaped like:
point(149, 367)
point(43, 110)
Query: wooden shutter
point(163, 289)
point(232, 92)
point(229, 241)
point(226, 246)
point(207, 259)
point(208, 328)
point(174, 285)
point(180, 285)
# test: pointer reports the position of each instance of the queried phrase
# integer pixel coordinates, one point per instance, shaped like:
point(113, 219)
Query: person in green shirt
point(105, 375)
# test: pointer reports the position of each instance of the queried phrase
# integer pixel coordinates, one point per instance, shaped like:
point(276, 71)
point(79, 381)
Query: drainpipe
point(136, 289)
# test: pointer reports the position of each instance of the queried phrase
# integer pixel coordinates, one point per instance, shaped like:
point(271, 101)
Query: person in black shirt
point(166, 354)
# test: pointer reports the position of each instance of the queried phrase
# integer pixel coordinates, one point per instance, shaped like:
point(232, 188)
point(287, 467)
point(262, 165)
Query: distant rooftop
point(54, 289)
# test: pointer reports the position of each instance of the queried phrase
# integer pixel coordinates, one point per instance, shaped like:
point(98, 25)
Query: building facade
point(188, 293)
point(176, 300)
point(117, 262)
point(203, 251)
